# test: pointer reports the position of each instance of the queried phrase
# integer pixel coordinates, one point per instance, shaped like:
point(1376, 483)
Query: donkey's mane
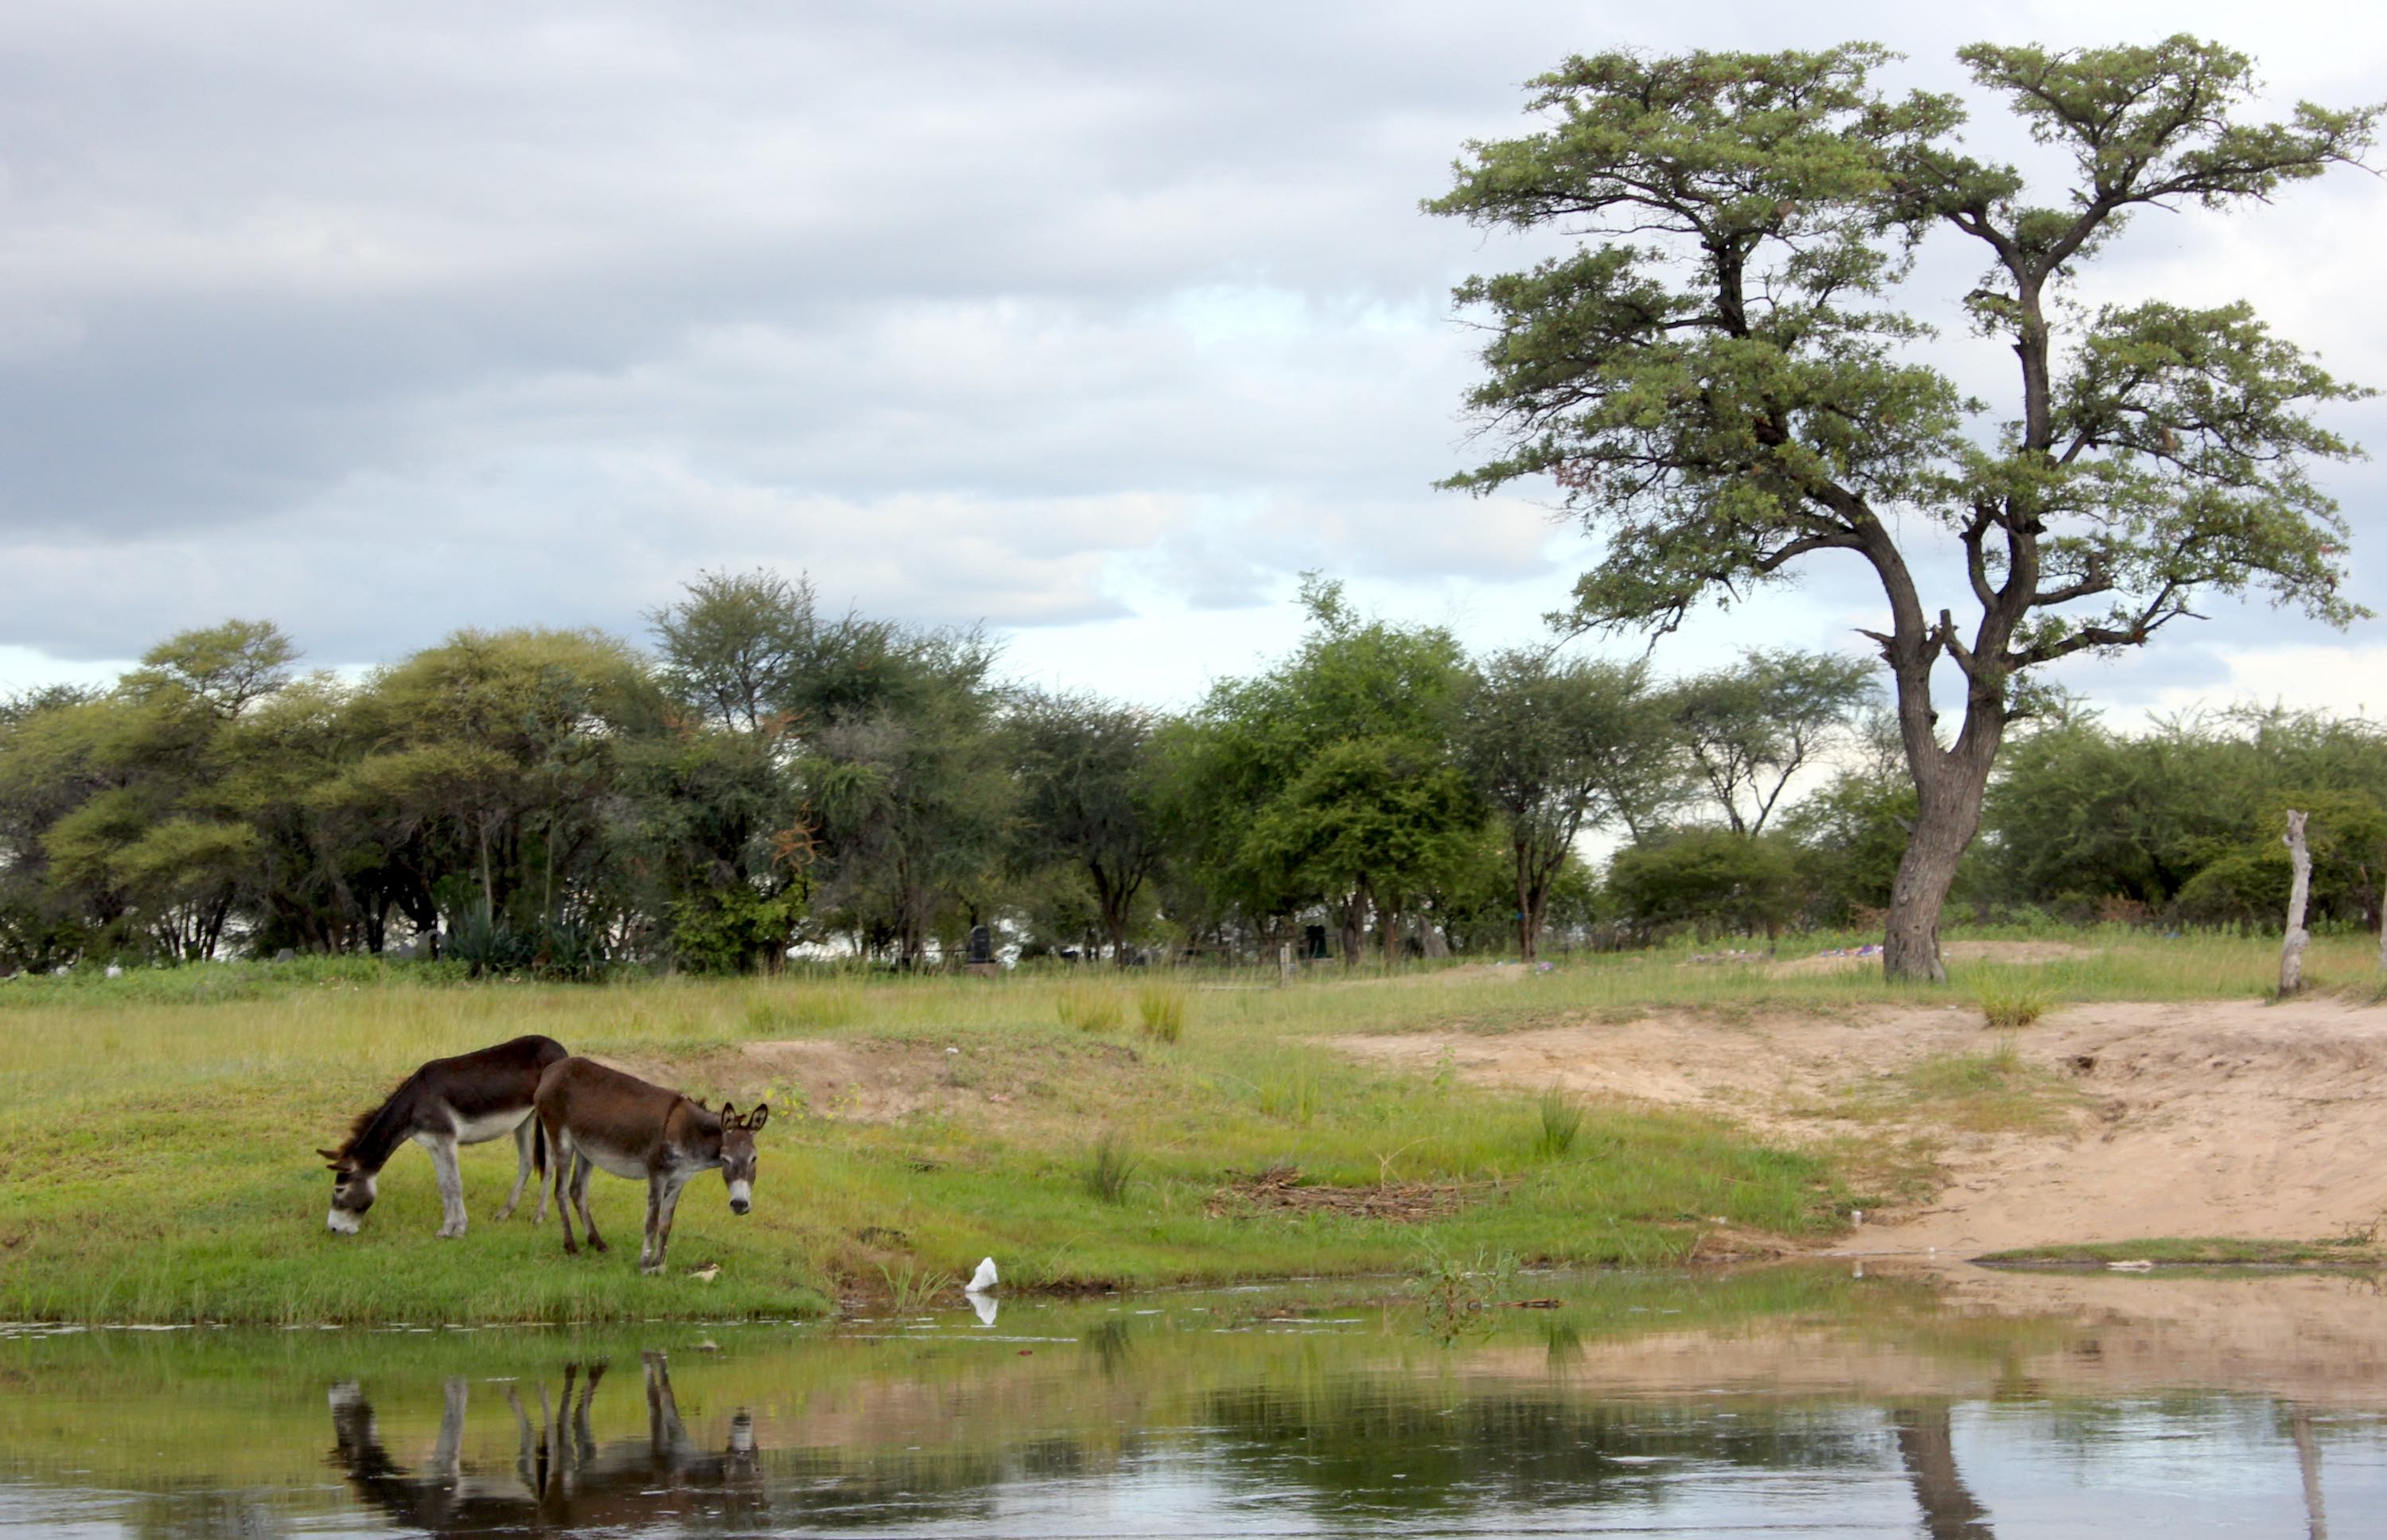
point(367, 1136)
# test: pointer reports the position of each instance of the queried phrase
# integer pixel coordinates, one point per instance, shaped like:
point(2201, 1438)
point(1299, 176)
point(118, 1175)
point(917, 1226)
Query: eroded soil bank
point(2212, 1118)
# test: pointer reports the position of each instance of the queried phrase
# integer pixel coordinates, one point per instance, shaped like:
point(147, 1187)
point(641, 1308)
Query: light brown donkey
point(593, 1115)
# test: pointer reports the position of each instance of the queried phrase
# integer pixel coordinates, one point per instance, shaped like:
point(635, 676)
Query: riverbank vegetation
point(155, 1147)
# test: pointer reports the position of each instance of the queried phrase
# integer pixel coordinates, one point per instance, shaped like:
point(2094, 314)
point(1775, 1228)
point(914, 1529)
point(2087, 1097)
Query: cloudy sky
point(1097, 323)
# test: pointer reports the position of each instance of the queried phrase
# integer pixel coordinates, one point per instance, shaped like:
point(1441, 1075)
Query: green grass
point(157, 1164)
point(2203, 1251)
point(157, 1130)
point(1991, 1092)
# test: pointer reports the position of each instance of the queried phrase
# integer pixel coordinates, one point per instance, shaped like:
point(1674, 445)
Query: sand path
point(2208, 1117)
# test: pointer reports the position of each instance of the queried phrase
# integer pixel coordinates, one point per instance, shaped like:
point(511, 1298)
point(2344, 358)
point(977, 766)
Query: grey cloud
point(382, 322)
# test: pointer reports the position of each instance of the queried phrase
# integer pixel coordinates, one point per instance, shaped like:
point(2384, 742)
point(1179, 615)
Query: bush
point(1709, 877)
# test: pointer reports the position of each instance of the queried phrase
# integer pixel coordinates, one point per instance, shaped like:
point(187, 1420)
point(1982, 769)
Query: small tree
point(1720, 382)
point(1084, 768)
point(1558, 748)
point(1750, 729)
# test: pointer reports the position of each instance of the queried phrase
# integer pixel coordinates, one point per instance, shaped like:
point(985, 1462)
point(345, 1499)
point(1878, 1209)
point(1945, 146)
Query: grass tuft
point(2007, 1006)
point(1162, 1007)
point(1562, 1121)
point(1090, 1007)
point(1107, 1168)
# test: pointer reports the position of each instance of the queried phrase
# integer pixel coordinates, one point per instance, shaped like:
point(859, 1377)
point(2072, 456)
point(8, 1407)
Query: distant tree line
point(765, 779)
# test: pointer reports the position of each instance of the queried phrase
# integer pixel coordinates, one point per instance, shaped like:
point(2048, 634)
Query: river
point(1782, 1401)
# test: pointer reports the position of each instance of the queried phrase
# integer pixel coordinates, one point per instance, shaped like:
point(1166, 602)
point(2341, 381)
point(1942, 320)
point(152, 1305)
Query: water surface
point(1783, 1401)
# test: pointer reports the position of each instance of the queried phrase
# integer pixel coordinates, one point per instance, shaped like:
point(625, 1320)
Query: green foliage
point(1328, 780)
point(1087, 798)
point(1719, 382)
point(1750, 729)
point(725, 929)
point(1713, 880)
point(1557, 749)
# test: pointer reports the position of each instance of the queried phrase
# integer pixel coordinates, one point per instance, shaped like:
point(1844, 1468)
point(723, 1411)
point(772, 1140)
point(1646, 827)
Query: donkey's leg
point(560, 1153)
point(585, 1437)
point(442, 1148)
point(664, 1226)
point(580, 1170)
point(647, 1262)
point(522, 1429)
point(445, 1454)
point(523, 1134)
point(666, 1434)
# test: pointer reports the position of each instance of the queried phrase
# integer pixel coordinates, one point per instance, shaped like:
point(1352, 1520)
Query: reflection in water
point(1926, 1447)
point(562, 1480)
point(1221, 1415)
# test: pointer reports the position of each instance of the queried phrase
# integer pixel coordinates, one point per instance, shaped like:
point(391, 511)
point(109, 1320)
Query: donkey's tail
point(538, 1145)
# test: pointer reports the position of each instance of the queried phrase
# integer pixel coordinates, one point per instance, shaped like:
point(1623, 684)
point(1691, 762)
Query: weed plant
point(2008, 1005)
point(1107, 1168)
point(1561, 1118)
point(1162, 1008)
point(1090, 1007)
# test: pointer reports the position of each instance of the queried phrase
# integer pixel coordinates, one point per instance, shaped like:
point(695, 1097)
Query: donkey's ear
point(759, 1116)
point(332, 1156)
point(729, 1114)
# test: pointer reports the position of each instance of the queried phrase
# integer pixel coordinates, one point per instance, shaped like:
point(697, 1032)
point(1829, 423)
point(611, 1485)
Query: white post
point(2291, 951)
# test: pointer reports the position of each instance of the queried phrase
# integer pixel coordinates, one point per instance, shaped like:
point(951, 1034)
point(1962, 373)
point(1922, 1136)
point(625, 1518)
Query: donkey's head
point(737, 1151)
point(352, 1193)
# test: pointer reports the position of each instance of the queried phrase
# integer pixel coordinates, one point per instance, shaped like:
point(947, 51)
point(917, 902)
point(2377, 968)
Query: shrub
point(1713, 878)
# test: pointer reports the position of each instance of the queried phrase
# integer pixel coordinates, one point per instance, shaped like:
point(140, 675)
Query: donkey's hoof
point(503, 1215)
point(650, 1268)
point(596, 1245)
point(455, 1234)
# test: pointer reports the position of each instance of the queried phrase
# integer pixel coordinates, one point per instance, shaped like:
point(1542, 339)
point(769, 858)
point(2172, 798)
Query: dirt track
point(2212, 1118)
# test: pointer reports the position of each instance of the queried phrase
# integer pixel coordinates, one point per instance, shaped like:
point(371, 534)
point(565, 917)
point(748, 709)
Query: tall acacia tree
point(1720, 379)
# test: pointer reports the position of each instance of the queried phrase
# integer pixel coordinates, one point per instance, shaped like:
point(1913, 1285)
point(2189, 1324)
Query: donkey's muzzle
point(741, 1197)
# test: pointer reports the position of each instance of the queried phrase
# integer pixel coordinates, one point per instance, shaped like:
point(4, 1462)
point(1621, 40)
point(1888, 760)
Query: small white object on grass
point(982, 1280)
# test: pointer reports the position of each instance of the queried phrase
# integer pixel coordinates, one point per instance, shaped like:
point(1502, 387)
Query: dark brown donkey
point(466, 1100)
point(594, 1115)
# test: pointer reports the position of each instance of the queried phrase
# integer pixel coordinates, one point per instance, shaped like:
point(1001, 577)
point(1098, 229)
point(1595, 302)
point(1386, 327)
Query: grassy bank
point(157, 1130)
point(155, 1164)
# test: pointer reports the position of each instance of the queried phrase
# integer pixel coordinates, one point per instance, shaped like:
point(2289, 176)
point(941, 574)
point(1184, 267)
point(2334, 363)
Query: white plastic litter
point(982, 1280)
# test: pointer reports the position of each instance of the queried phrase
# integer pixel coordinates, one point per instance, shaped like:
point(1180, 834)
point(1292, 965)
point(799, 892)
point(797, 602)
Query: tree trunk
point(1947, 815)
point(2291, 950)
point(1525, 917)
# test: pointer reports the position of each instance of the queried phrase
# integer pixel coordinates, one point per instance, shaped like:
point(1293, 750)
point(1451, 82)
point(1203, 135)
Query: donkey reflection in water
point(563, 1481)
point(593, 1115)
point(465, 1100)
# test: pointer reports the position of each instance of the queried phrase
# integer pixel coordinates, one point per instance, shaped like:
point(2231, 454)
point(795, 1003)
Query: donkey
point(593, 1115)
point(466, 1100)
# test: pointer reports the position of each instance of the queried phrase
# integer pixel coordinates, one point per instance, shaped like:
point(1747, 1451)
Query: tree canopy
point(1726, 377)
